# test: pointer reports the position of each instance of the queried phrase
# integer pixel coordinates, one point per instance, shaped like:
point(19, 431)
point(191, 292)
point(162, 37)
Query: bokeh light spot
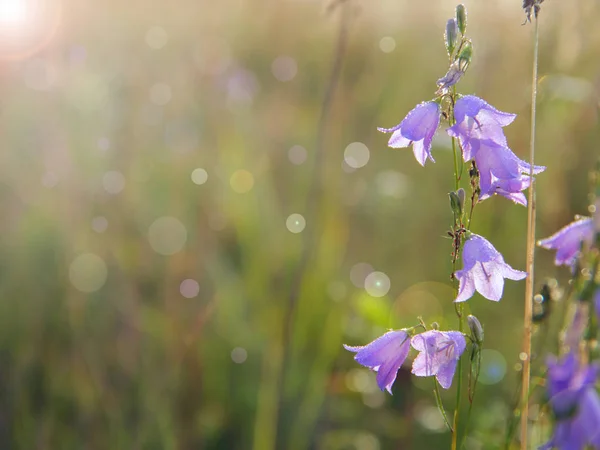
point(356, 155)
point(295, 223)
point(49, 179)
point(239, 355)
point(156, 38)
point(241, 181)
point(297, 155)
point(199, 176)
point(493, 366)
point(189, 288)
point(160, 94)
point(103, 144)
point(113, 182)
point(391, 183)
point(88, 272)
point(359, 273)
point(167, 235)
point(284, 68)
point(38, 74)
point(99, 224)
point(377, 284)
point(387, 44)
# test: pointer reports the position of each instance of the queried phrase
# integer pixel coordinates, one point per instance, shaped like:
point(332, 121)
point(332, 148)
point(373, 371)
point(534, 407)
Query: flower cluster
point(439, 352)
point(478, 128)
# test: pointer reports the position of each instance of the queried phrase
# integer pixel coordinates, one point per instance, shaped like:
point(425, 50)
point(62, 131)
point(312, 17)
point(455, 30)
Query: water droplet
point(99, 224)
point(284, 68)
point(241, 181)
point(387, 44)
point(88, 272)
point(156, 38)
point(297, 154)
point(113, 182)
point(356, 155)
point(167, 235)
point(239, 355)
point(160, 94)
point(295, 223)
point(377, 284)
point(189, 288)
point(199, 176)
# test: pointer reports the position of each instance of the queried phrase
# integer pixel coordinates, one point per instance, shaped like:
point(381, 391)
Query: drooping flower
point(483, 270)
point(384, 355)
point(476, 121)
point(575, 404)
point(439, 353)
point(567, 241)
point(502, 172)
point(417, 128)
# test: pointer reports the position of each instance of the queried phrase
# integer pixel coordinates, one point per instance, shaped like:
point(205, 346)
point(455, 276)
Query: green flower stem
point(440, 405)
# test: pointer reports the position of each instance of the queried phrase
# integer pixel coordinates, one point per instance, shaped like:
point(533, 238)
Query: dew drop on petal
point(387, 44)
point(284, 68)
point(295, 223)
point(493, 366)
point(356, 155)
point(297, 155)
point(199, 176)
point(241, 181)
point(88, 272)
point(156, 38)
point(359, 273)
point(113, 182)
point(160, 94)
point(239, 355)
point(167, 235)
point(99, 224)
point(189, 288)
point(377, 284)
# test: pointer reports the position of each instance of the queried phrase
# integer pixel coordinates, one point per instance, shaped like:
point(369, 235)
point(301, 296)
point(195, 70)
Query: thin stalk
point(459, 313)
point(440, 405)
point(313, 205)
point(527, 317)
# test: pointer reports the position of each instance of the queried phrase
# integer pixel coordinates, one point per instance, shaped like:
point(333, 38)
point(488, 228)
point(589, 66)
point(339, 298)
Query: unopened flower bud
point(451, 36)
point(435, 326)
point(456, 204)
point(461, 196)
point(461, 18)
point(476, 329)
point(464, 58)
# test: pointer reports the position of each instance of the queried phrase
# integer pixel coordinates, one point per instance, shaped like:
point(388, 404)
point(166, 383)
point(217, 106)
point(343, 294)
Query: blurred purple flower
point(483, 270)
point(567, 241)
point(476, 121)
point(384, 355)
point(453, 76)
point(417, 128)
point(502, 172)
point(439, 353)
point(575, 404)
point(597, 303)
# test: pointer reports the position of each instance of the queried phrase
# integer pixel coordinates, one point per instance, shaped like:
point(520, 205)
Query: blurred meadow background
point(187, 239)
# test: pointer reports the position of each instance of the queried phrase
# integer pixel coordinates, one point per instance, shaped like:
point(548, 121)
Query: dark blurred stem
point(313, 204)
point(527, 317)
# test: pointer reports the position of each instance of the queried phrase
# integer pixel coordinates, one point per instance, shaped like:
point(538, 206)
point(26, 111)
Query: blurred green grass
point(134, 364)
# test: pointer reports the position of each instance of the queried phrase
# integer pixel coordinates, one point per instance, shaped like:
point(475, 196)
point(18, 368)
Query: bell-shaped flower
point(476, 121)
point(483, 270)
point(567, 241)
point(417, 128)
point(575, 404)
point(502, 172)
point(439, 353)
point(384, 355)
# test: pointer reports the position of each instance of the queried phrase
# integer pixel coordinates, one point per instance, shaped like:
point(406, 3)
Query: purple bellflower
point(502, 172)
point(476, 120)
point(417, 128)
point(384, 355)
point(575, 404)
point(439, 353)
point(483, 270)
point(567, 241)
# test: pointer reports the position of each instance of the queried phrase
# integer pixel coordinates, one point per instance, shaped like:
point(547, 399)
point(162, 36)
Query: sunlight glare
point(13, 13)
